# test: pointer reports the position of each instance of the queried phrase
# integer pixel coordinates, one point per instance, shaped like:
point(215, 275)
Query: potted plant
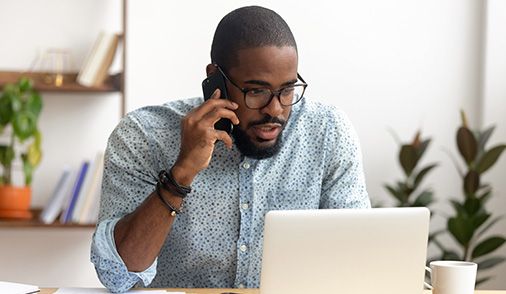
point(471, 220)
point(407, 192)
point(20, 139)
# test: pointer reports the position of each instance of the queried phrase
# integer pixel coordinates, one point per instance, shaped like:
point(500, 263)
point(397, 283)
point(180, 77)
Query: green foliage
point(20, 106)
point(408, 192)
point(471, 219)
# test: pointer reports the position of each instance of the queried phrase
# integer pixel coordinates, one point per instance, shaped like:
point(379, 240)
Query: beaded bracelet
point(173, 211)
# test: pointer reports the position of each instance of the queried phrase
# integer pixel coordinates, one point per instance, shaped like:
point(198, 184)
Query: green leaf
point(490, 262)
point(488, 226)
point(25, 84)
point(408, 158)
point(27, 169)
point(424, 199)
point(467, 145)
point(489, 158)
point(484, 136)
point(479, 219)
point(461, 228)
point(472, 205)
point(471, 182)
point(459, 208)
point(450, 255)
point(34, 154)
point(24, 125)
point(6, 155)
point(394, 192)
point(423, 147)
point(488, 246)
point(34, 103)
point(485, 196)
point(6, 111)
point(421, 175)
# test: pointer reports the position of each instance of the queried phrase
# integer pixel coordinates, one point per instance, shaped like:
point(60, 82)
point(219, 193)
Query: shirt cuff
point(110, 268)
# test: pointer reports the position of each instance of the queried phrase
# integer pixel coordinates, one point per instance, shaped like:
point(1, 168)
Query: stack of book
point(76, 195)
point(96, 66)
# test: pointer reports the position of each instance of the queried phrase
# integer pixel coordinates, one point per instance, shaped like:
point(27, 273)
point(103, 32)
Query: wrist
point(183, 176)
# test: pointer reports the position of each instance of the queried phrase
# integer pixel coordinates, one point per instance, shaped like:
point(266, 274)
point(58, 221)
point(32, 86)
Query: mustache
point(266, 120)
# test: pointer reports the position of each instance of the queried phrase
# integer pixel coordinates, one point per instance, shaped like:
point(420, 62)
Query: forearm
point(140, 235)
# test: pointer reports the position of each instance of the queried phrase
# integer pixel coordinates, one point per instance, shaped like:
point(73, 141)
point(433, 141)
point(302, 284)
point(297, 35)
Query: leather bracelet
point(169, 184)
point(172, 210)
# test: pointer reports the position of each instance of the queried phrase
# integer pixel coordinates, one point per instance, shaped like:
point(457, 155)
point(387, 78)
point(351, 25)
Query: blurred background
point(391, 65)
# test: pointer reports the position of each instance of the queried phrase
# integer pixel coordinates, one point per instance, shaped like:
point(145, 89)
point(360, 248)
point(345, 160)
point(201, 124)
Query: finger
point(218, 113)
point(209, 105)
point(216, 94)
point(225, 137)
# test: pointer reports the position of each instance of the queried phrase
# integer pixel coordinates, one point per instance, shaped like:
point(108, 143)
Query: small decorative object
point(471, 219)
point(407, 192)
point(54, 63)
point(20, 106)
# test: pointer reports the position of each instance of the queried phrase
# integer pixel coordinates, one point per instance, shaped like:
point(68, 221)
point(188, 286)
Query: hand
point(198, 137)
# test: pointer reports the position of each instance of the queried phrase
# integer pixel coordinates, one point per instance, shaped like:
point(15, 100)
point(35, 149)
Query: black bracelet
point(173, 211)
point(169, 184)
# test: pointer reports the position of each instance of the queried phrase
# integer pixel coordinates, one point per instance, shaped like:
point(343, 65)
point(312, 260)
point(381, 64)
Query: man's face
point(259, 131)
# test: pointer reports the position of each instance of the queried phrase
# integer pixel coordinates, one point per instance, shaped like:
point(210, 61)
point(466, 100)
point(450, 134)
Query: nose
point(274, 108)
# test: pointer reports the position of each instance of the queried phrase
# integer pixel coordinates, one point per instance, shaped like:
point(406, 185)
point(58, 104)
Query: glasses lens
point(291, 95)
point(259, 98)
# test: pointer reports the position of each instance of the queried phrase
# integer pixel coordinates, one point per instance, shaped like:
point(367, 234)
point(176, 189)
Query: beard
point(248, 148)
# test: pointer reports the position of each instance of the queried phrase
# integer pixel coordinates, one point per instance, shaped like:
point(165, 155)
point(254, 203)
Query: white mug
point(452, 277)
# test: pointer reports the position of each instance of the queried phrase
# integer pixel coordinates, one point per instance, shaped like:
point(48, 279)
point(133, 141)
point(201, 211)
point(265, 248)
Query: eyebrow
point(264, 83)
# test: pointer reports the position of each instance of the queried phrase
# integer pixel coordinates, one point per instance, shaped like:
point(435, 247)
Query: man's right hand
point(198, 136)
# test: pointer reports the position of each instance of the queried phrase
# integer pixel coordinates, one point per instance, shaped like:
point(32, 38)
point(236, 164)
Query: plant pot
point(15, 202)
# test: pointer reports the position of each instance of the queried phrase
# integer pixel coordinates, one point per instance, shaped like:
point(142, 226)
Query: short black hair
point(248, 27)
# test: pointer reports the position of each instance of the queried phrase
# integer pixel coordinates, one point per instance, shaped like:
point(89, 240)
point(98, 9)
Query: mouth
point(267, 132)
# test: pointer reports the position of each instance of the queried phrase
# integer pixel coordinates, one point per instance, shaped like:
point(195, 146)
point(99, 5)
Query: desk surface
point(245, 291)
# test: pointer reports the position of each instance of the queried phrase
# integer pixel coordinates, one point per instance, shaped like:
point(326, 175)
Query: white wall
point(401, 64)
point(495, 105)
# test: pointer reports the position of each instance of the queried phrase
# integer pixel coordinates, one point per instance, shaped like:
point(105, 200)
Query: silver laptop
point(345, 251)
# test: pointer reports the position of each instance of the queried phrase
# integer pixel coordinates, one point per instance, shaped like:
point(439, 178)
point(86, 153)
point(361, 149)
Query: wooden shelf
point(35, 223)
point(112, 83)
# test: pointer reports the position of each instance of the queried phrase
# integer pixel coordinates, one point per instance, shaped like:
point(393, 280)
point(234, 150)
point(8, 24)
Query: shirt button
point(243, 248)
point(245, 206)
point(246, 165)
point(241, 286)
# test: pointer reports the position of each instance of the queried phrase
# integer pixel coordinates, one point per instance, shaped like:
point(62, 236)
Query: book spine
point(75, 192)
point(54, 206)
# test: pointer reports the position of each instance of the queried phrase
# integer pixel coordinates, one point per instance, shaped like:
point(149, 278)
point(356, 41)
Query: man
point(285, 152)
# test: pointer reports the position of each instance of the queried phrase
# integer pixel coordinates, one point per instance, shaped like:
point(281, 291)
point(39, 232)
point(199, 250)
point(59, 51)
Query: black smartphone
point(209, 85)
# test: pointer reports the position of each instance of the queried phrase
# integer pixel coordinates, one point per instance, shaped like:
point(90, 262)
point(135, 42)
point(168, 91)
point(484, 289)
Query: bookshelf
point(35, 223)
point(112, 84)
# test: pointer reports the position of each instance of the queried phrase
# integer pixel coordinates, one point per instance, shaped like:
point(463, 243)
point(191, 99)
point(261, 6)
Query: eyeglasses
point(258, 98)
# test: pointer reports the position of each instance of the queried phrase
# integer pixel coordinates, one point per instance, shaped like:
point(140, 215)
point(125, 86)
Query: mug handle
point(427, 285)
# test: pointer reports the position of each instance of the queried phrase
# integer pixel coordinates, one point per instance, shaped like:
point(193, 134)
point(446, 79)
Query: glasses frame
point(273, 93)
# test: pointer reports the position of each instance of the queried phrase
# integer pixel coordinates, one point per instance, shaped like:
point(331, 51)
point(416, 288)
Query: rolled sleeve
point(111, 269)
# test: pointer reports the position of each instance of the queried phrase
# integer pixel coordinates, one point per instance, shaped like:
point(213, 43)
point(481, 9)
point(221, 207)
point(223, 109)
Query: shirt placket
point(246, 169)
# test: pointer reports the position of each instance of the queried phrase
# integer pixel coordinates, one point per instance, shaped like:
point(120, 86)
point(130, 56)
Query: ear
point(210, 69)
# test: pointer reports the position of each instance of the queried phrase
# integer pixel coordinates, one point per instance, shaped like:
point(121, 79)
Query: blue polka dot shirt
point(217, 241)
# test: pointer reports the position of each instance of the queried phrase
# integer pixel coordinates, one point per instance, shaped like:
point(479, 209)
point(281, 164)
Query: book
point(90, 184)
point(16, 288)
point(81, 197)
point(66, 216)
point(96, 66)
point(57, 200)
point(90, 215)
